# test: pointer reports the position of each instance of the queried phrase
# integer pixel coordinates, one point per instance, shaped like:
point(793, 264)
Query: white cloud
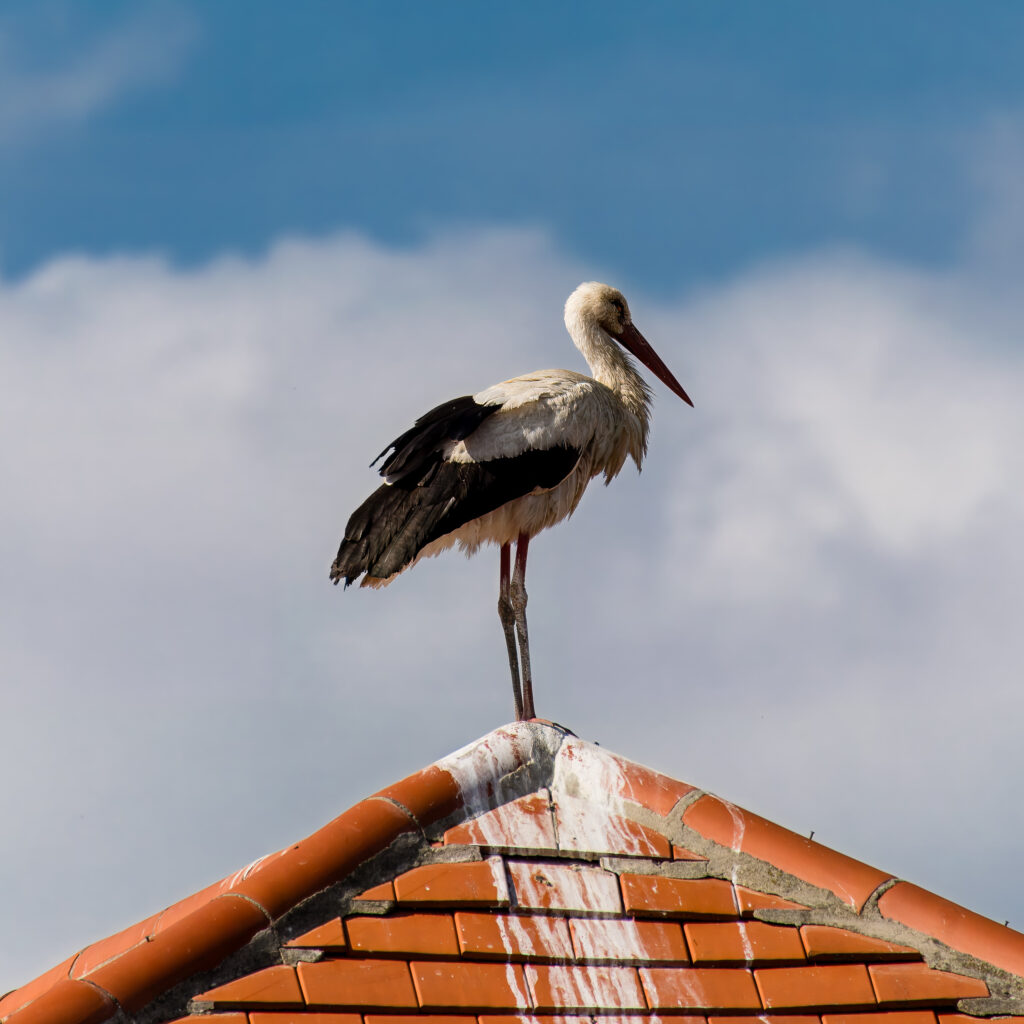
point(143, 51)
point(807, 602)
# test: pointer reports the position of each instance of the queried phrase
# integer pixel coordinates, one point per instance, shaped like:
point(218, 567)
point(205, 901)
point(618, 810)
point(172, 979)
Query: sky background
point(243, 246)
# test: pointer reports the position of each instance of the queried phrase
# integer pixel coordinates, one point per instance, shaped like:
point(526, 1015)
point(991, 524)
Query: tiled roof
point(535, 877)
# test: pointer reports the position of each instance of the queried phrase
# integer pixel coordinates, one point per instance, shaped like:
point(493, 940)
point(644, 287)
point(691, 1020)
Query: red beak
point(632, 340)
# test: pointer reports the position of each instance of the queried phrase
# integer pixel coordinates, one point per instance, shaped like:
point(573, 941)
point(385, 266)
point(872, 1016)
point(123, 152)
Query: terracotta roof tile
point(823, 987)
point(627, 940)
point(732, 942)
point(731, 826)
point(678, 897)
point(271, 987)
point(750, 900)
point(957, 927)
point(358, 984)
point(66, 1000)
point(325, 936)
point(917, 983)
point(577, 888)
point(883, 1017)
point(293, 1017)
point(554, 898)
point(560, 987)
point(447, 986)
point(525, 823)
point(517, 937)
point(699, 988)
point(420, 934)
point(823, 943)
point(384, 891)
point(457, 885)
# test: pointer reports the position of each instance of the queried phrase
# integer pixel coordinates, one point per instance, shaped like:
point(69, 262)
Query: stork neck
point(610, 365)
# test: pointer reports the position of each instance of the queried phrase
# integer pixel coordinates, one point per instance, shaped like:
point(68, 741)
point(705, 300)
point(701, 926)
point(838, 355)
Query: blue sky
point(672, 144)
point(242, 245)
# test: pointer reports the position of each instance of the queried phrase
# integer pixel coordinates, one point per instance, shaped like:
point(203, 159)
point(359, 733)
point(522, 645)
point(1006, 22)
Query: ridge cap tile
point(743, 831)
point(954, 925)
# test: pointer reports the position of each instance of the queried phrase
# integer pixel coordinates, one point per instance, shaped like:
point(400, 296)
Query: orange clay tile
point(196, 943)
point(750, 900)
point(238, 1018)
point(453, 985)
point(597, 938)
point(179, 911)
point(384, 891)
point(722, 942)
point(568, 887)
point(67, 1000)
point(357, 984)
point(825, 943)
point(522, 824)
point(429, 795)
point(22, 996)
point(886, 1017)
point(295, 1017)
point(766, 1018)
point(430, 1018)
point(325, 857)
point(681, 853)
point(562, 987)
point(699, 988)
point(679, 897)
point(517, 1018)
point(481, 882)
point(916, 983)
point(828, 986)
point(635, 782)
point(271, 987)
point(509, 937)
point(963, 1018)
point(100, 952)
point(421, 1018)
point(422, 934)
point(740, 830)
point(327, 936)
point(585, 827)
point(962, 929)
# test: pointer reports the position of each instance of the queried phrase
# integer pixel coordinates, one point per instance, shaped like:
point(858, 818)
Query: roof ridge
point(238, 921)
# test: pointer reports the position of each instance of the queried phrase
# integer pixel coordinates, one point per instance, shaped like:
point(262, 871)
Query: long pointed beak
point(636, 343)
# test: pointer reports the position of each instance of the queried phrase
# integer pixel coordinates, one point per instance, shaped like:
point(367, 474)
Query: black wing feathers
point(419, 445)
point(398, 520)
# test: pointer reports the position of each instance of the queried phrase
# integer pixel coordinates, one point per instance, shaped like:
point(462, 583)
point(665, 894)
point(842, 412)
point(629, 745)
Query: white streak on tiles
point(583, 988)
point(478, 767)
point(588, 827)
point(621, 939)
point(572, 887)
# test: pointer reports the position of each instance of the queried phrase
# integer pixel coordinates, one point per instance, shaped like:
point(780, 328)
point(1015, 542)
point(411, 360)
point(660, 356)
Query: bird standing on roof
point(502, 465)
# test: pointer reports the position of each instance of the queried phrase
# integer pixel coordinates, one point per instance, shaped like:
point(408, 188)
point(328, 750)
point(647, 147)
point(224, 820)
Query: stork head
point(593, 303)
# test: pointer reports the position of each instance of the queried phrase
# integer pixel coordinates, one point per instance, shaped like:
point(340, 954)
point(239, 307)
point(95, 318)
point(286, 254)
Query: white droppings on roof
point(497, 866)
point(585, 771)
point(601, 988)
point(525, 823)
point(588, 827)
point(570, 887)
point(478, 767)
point(611, 939)
point(543, 938)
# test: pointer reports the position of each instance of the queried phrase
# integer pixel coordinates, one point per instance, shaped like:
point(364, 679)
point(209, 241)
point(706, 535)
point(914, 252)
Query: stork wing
point(419, 446)
point(398, 520)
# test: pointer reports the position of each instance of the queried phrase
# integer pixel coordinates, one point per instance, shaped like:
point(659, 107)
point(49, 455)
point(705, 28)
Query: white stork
point(502, 465)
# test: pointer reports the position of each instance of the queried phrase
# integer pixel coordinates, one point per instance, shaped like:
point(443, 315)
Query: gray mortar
point(412, 850)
